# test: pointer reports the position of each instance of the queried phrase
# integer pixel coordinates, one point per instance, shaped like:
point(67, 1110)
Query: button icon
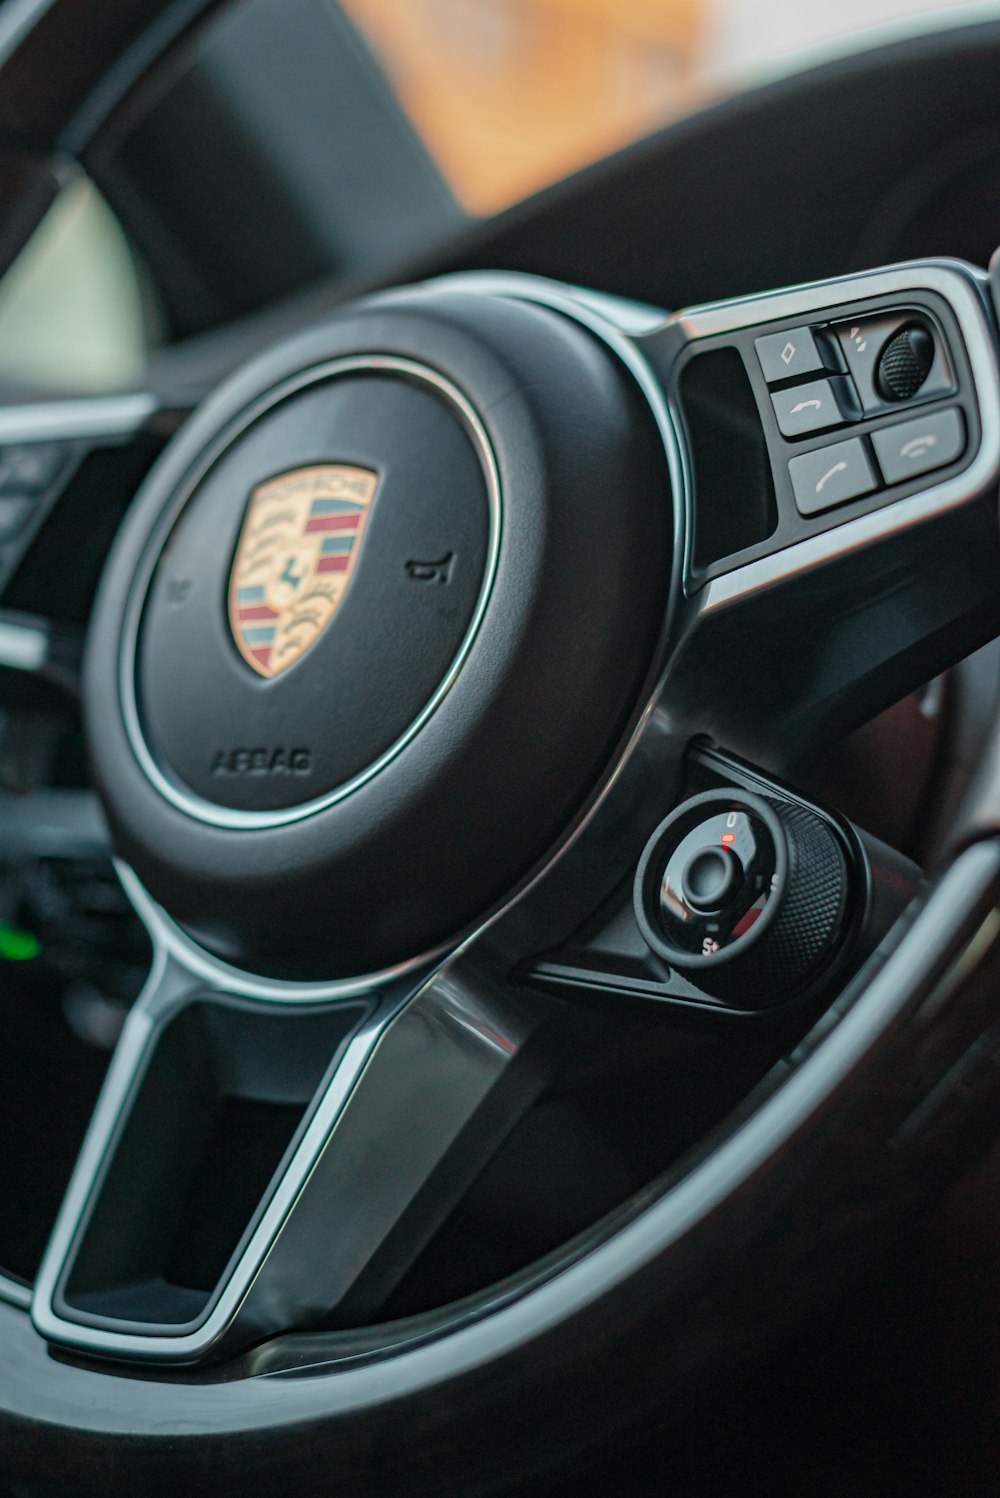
point(829, 474)
point(788, 352)
point(918, 447)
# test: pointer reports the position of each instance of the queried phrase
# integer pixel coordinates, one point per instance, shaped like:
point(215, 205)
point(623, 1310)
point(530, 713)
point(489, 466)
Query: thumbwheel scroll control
point(905, 363)
point(744, 895)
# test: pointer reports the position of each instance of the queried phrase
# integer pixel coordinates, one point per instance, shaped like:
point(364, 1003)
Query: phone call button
point(831, 476)
point(920, 445)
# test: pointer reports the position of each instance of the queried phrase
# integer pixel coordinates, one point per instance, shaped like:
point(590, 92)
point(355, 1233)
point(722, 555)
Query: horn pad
point(315, 594)
point(374, 629)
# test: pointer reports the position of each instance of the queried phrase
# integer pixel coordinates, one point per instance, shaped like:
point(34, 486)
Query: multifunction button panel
point(845, 412)
point(877, 364)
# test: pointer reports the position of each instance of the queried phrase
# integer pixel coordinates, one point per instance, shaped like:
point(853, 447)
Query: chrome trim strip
point(17, 18)
point(23, 647)
point(15, 1293)
point(956, 286)
point(53, 421)
point(180, 796)
point(169, 938)
point(166, 989)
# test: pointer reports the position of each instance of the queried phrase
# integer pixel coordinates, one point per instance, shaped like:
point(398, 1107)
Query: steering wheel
point(451, 675)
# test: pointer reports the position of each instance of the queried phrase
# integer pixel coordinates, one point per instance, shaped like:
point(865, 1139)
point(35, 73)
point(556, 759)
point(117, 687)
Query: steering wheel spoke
point(266, 1157)
point(842, 545)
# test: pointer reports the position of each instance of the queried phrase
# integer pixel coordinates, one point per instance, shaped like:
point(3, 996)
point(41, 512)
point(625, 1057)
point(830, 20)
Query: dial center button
point(710, 878)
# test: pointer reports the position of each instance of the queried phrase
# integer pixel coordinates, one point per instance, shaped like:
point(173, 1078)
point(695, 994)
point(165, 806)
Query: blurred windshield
point(512, 94)
point(507, 96)
point(72, 313)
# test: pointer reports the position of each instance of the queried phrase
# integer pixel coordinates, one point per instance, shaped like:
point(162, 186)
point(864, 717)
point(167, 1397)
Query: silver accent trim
point(53, 421)
point(956, 287)
point(14, 1293)
point(23, 647)
point(446, 1030)
point(166, 990)
point(180, 796)
point(168, 937)
point(18, 18)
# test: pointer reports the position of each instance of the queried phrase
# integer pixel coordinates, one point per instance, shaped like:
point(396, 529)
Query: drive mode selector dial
point(745, 896)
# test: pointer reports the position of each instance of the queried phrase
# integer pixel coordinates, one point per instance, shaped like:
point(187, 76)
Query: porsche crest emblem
point(301, 536)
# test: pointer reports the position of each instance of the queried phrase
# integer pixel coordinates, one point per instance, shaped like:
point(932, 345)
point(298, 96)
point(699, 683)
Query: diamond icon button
point(789, 355)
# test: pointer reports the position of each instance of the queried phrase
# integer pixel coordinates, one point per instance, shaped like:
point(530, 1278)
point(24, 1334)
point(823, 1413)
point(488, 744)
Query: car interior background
point(294, 156)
